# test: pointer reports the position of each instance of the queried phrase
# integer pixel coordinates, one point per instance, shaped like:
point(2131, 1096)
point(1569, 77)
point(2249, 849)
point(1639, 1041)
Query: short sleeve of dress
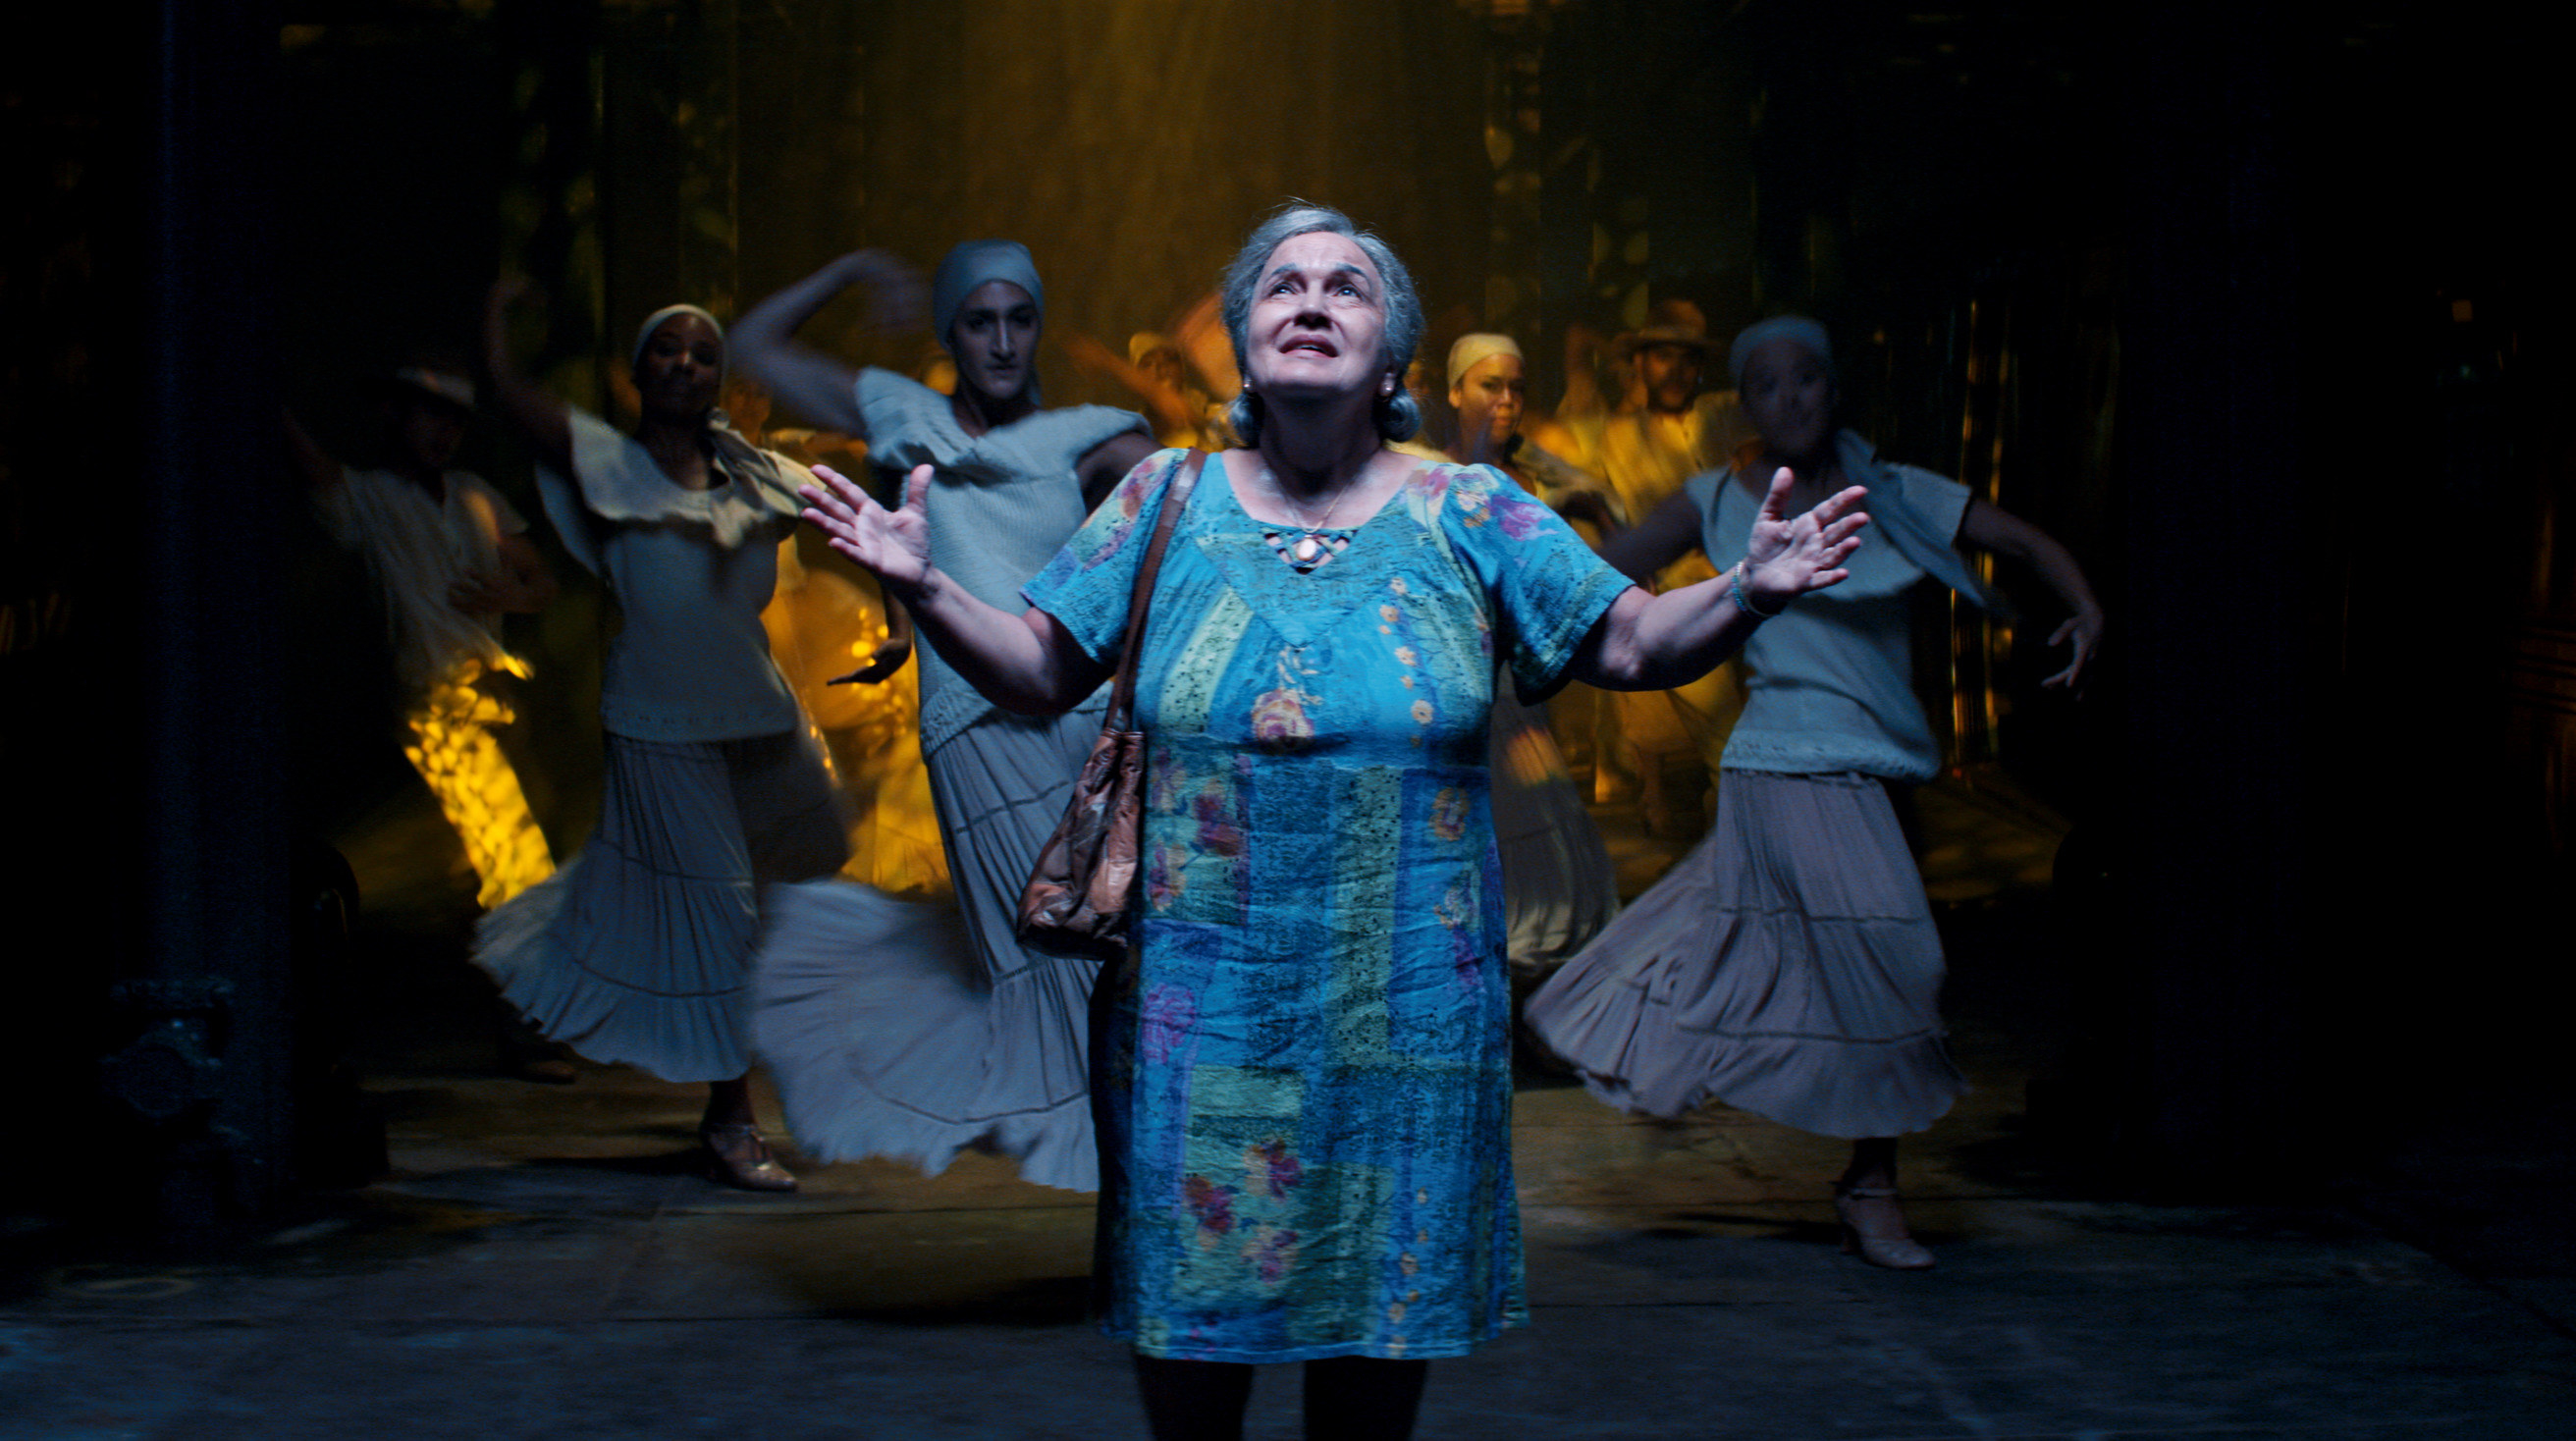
point(1938, 503)
point(1088, 584)
point(1548, 588)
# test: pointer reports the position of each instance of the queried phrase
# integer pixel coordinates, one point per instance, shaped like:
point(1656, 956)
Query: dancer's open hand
point(2084, 629)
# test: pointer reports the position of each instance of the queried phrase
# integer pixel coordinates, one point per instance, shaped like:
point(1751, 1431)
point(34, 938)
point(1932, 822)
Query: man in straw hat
point(449, 556)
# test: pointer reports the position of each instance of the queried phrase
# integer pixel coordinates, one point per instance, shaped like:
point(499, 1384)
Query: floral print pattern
point(1311, 1149)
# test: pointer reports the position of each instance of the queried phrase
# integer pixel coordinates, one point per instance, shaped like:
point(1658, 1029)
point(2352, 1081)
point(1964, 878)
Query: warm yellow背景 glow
point(823, 623)
point(455, 751)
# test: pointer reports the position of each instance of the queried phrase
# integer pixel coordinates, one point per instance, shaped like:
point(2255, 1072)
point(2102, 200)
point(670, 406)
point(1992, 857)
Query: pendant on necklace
point(1308, 551)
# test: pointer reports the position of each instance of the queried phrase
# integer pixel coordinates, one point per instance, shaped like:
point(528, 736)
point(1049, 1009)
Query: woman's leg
point(1865, 1201)
point(1193, 1400)
point(1361, 1398)
point(728, 1104)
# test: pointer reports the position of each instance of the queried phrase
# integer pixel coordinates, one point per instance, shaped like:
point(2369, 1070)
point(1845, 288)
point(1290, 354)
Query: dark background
point(2263, 316)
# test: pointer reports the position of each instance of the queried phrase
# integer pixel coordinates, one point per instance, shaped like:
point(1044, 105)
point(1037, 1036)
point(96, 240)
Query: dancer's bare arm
point(541, 419)
point(1991, 527)
point(817, 386)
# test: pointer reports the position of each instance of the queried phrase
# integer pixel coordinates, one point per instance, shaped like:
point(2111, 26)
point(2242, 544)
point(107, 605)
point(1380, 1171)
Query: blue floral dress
point(1303, 1080)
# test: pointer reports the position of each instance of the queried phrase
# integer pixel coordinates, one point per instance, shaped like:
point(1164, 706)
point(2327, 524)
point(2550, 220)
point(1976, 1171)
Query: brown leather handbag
point(1085, 877)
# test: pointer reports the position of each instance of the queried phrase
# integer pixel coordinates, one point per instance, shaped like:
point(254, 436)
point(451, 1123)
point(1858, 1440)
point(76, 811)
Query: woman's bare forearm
point(1026, 664)
point(540, 418)
point(1656, 642)
point(1660, 537)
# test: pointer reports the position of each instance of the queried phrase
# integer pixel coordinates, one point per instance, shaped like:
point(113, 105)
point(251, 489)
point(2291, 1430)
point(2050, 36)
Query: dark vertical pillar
point(2217, 653)
point(208, 995)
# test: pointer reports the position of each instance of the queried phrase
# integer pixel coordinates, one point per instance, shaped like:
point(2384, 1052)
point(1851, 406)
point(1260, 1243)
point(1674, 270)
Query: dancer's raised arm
point(815, 385)
point(540, 418)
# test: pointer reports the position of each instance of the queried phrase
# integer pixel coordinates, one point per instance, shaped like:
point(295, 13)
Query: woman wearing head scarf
point(1789, 966)
point(1303, 1074)
point(880, 1044)
point(1489, 392)
point(638, 950)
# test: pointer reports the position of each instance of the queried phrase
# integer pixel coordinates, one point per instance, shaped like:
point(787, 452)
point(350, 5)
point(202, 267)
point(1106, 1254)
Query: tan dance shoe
point(737, 1156)
point(1897, 1252)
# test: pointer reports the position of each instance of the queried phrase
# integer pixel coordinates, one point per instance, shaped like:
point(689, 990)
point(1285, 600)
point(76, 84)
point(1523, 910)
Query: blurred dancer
point(449, 556)
point(1559, 888)
point(823, 617)
point(1158, 375)
point(882, 1045)
point(637, 951)
point(1667, 432)
point(1789, 966)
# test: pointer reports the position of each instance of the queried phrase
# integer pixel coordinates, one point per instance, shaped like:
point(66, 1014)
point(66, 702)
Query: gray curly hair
point(1398, 415)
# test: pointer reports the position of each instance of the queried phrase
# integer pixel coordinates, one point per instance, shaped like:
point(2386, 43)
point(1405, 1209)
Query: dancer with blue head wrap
point(1789, 966)
point(895, 1028)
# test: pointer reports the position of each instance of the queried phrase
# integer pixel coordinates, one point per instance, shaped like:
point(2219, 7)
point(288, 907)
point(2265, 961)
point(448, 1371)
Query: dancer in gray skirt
point(638, 950)
point(889, 1033)
point(1788, 966)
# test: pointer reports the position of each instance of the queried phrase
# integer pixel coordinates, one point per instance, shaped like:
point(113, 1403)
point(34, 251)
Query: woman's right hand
point(893, 545)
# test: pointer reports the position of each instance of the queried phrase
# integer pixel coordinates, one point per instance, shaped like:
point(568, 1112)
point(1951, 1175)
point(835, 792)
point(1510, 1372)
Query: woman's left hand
point(2084, 628)
point(1789, 556)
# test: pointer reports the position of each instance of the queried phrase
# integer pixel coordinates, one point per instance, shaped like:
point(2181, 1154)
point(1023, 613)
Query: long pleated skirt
point(1559, 888)
point(1788, 966)
point(916, 1031)
point(639, 951)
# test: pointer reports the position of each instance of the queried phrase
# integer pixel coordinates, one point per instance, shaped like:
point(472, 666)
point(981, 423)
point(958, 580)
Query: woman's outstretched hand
point(1790, 556)
point(2084, 628)
point(893, 545)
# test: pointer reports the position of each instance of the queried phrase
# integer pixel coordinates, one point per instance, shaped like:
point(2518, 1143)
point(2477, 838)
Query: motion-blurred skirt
point(913, 1030)
point(1559, 889)
point(639, 951)
point(1788, 966)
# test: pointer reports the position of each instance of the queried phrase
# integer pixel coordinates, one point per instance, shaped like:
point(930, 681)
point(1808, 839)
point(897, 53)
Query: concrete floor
point(541, 1263)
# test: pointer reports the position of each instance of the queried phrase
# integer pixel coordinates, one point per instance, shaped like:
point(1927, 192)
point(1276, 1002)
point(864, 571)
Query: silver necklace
point(1314, 543)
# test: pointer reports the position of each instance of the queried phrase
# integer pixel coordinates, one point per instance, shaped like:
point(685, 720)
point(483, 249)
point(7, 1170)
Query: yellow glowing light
point(454, 750)
point(824, 623)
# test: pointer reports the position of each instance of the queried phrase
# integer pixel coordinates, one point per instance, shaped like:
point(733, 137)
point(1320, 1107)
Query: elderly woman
point(638, 950)
point(1303, 1080)
point(1789, 966)
point(880, 1046)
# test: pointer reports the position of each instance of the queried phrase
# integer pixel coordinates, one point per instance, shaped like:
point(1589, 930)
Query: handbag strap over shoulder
point(1122, 698)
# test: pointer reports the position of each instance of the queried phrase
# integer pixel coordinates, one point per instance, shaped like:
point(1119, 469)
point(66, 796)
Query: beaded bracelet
point(1735, 592)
